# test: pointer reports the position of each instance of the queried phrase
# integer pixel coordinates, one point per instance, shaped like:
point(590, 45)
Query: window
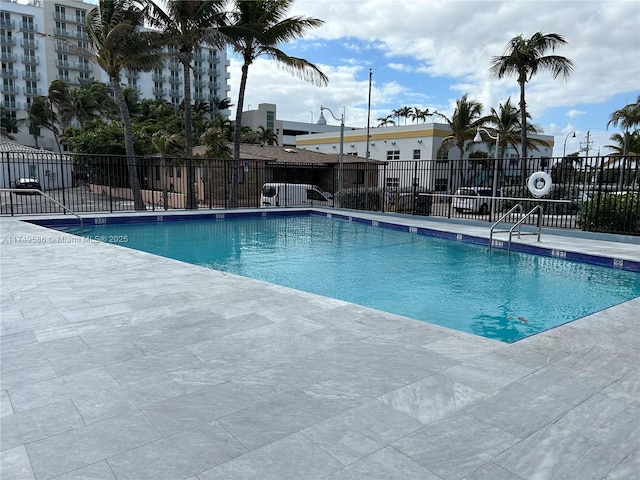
point(393, 182)
point(393, 154)
point(441, 185)
point(416, 154)
point(271, 120)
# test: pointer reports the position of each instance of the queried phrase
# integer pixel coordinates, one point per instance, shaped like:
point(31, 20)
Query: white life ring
point(539, 184)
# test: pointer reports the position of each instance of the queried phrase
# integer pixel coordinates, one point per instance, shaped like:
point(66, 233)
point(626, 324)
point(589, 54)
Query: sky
point(428, 53)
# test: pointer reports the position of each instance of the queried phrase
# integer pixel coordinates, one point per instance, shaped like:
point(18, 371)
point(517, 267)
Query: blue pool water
point(453, 284)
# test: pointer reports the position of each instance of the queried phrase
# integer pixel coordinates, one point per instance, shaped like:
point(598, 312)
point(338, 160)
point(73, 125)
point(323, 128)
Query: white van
point(292, 195)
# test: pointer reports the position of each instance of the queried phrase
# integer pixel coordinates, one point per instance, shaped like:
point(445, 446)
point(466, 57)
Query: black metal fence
point(593, 193)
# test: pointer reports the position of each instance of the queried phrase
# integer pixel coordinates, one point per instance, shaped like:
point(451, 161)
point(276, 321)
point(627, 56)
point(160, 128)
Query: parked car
point(474, 200)
point(293, 194)
point(27, 183)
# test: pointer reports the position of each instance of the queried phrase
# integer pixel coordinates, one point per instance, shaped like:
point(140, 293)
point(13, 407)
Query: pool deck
point(118, 364)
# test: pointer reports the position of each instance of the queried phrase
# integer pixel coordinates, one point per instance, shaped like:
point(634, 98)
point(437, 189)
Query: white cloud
point(573, 113)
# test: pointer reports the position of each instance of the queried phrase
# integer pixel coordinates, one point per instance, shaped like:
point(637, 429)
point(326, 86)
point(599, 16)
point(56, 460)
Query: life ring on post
point(539, 184)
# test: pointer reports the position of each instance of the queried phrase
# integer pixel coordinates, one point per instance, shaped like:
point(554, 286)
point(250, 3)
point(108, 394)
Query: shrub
point(360, 198)
point(610, 212)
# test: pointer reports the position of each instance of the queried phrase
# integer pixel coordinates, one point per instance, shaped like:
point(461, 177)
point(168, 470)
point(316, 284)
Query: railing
point(582, 197)
point(35, 191)
point(517, 224)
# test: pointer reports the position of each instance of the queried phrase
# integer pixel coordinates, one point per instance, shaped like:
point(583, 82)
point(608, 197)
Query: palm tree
point(87, 103)
point(464, 123)
point(386, 121)
point(41, 115)
point(258, 28)
point(187, 25)
point(267, 136)
point(418, 114)
point(628, 117)
point(524, 57)
point(506, 121)
point(113, 29)
point(8, 124)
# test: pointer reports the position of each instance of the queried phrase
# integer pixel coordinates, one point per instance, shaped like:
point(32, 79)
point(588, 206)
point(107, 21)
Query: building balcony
point(83, 66)
point(175, 80)
point(10, 105)
point(212, 58)
point(159, 91)
point(212, 72)
point(7, 40)
point(8, 73)
point(32, 92)
point(176, 93)
point(199, 96)
point(131, 74)
point(214, 85)
point(198, 84)
point(174, 65)
point(30, 60)
point(158, 78)
point(31, 75)
point(78, 35)
point(8, 57)
point(69, 18)
point(199, 57)
point(9, 90)
point(199, 70)
point(61, 47)
point(63, 64)
point(8, 24)
point(28, 27)
point(29, 43)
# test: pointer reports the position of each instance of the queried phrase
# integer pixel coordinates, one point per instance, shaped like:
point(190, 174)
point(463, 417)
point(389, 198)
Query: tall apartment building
point(30, 62)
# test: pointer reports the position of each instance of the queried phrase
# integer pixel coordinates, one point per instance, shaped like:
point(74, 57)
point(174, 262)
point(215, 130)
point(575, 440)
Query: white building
point(287, 131)
point(400, 145)
point(30, 62)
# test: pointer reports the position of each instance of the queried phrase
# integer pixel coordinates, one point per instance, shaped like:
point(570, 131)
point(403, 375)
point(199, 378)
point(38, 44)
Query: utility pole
point(586, 146)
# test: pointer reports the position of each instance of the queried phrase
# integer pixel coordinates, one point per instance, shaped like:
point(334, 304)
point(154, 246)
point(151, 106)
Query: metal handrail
point(519, 222)
point(40, 192)
point(519, 207)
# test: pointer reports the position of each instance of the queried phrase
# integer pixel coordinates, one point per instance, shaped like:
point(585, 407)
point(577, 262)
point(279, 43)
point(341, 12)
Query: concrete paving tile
point(292, 458)
point(518, 410)
point(352, 388)
point(61, 388)
point(626, 389)
point(361, 431)
point(5, 404)
point(455, 446)
point(487, 373)
point(411, 365)
point(569, 385)
point(432, 398)
point(123, 399)
point(83, 446)
point(178, 456)
point(38, 423)
point(15, 465)
point(17, 377)
point(464, 347)
point(192, 409)
point(94, 358)
point(555, 452)
point(626, 469)
point(385, 464)
point(267, 422)
point(596, 410)
point(97, 471)
point(491, 471)
point(141, 367)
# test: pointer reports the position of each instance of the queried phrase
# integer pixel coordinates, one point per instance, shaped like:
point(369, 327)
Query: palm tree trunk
point(523, 132)
point(132, 166)
point(236, 136)
point(188, 135)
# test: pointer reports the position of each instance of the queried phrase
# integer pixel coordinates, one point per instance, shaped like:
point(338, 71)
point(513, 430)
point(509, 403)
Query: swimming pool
point(453, 284)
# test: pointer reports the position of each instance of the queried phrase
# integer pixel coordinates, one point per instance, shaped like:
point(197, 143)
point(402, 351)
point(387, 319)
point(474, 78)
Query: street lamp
point(341, 155)
point(564, 148)
point(494, 188)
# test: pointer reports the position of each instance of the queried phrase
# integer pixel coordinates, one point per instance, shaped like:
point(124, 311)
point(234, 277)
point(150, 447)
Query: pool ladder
point(517, 224)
